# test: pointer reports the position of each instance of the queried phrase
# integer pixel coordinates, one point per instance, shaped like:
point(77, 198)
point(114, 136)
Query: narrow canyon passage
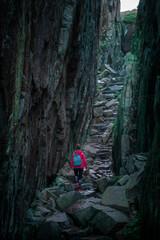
point(79, 72)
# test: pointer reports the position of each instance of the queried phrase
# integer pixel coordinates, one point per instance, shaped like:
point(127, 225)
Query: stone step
point(112, 91)
point(116, 83)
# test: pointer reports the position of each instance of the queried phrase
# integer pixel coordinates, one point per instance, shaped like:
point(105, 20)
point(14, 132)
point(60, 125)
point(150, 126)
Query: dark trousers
point(78, 175)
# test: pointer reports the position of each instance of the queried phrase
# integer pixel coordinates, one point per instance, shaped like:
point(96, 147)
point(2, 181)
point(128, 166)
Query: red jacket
point(83, 160)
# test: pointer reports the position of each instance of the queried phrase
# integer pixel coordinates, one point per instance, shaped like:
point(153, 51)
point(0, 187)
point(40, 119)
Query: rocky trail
point(107, 202)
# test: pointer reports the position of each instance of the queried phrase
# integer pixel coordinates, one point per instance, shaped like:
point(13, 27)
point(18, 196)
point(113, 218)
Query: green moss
point(105, 44)
point(19, 69)
point(129, 18)
point(132, 232)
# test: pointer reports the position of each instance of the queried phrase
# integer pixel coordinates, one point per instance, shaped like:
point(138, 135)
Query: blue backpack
point(76, 160)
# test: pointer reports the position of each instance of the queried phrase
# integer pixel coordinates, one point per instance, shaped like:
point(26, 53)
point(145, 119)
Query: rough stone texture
point(144, 119)
point(125, 129)
point(67, 199)
point(127, 31)
point(115, 196)
point(48, 80)
point(108, 219)
point(111, 29)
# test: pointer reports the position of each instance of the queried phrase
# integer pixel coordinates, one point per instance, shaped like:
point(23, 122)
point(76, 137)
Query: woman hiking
point(78, 162)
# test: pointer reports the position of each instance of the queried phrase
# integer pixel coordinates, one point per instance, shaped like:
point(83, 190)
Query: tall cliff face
point(48, 81)
point(148, 114)
point(110, 44)
point(139, 113)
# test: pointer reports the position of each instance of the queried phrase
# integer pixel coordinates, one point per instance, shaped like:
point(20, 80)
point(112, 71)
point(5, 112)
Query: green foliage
point(105, 44)
point(99, 87)
point(128, 76)
point(122, 107)
point(132, 232)
point(115, 123)
point(130, 17)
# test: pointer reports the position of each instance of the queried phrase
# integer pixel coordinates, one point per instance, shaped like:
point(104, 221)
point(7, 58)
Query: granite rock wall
point(138, 127)
point(48, 80)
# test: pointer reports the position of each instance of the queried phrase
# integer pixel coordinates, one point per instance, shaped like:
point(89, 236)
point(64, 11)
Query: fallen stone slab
point(115, 196)
point(107, 133)
point(122, 181)
point(68, 187)
point(53, 192)
point(111, 70)
point(116, 87)
point(101, 184)
point(61, 218)
point(139, 165)
point(108, 219)
point(108, 113)
point(100, 104)
point(142, 157)
point(68, 198)
point(133, 185)
point(82, 210)
point(107, 96)
point(88, 193)
point(105, 166)
point(111, 103)
point(98, 111)
point(68, 174)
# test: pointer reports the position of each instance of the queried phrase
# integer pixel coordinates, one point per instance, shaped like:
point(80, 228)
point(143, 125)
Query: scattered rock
point(110, 70)
point(108, 113)
point(69, 175)
point(101, 184)
point(107, 133)
point(68, 198)
point(115, 196)
point(61, 218)
point(68, 187)
point(111, 103)
point(82, 210)
point(108, 219)
point(133, 185)
point(100, 104)
point(123, 180)
point(98, 112)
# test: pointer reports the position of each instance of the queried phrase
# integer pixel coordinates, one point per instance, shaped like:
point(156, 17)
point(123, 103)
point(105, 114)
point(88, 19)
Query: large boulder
point(53, 192)
point(122, 181)
point(108, 219)
point(115, 196)
point(107, 133)
point(101, 184)
point(68, 198)
point(61, 218)
point(98, 111)
point(134, 184)
point(82, 210)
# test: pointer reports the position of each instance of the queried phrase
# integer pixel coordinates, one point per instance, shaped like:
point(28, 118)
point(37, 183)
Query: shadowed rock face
point(144, 120)
point(48, 81)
